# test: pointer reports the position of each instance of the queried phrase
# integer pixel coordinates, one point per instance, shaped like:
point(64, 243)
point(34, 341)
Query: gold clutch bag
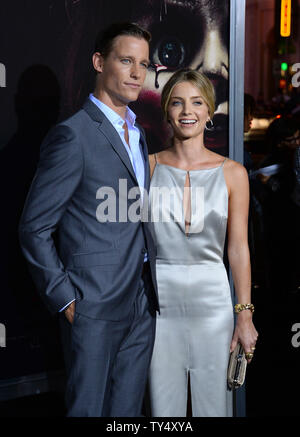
point(237, 367)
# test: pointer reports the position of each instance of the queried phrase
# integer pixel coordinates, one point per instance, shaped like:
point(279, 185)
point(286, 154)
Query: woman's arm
point(238, 251)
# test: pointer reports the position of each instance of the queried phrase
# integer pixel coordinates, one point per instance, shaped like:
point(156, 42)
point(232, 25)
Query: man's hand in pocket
point(70, 311)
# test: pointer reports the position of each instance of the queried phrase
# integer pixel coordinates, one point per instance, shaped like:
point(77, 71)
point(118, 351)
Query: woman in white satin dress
point(195, 330)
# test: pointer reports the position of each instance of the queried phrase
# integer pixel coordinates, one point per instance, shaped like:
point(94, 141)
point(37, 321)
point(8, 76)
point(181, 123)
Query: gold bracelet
point(243, 306)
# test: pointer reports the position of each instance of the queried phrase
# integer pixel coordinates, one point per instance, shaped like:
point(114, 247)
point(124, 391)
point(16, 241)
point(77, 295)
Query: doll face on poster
point(185, 34)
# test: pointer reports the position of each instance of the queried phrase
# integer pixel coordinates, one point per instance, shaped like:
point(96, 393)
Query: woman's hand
point(245, 333)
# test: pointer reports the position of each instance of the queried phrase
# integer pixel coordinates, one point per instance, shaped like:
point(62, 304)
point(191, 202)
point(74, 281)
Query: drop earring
point(211, 126)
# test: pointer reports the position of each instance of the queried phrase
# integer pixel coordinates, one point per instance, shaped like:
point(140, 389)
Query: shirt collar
point(112, 116)
point(130, 116)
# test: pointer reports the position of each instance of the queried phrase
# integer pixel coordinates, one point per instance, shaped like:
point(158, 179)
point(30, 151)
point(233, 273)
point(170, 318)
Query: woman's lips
point(187, 122)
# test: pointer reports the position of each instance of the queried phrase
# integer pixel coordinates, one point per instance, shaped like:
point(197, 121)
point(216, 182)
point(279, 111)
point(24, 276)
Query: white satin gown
point(195, 326)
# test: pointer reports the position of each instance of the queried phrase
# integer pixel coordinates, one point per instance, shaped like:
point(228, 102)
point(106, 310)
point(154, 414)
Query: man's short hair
point(106, 37)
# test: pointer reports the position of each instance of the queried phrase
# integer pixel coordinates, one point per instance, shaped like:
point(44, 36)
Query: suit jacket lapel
point(110, 133)
point(145, 152)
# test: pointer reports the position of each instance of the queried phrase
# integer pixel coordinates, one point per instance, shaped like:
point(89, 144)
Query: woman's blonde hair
point(197, 79)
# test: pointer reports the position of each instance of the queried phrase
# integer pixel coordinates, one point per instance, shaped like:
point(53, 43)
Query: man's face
point(123, 71)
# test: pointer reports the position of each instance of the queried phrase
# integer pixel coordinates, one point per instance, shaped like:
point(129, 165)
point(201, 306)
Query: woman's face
point(190, 34)
point(187, 111)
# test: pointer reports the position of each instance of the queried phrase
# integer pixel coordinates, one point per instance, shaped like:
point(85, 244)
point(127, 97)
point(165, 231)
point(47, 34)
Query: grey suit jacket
point(97, 263)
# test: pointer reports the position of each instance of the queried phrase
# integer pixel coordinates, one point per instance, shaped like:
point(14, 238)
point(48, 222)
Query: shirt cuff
point(66, 306)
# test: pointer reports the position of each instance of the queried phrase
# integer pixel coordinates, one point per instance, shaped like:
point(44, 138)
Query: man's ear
point(98, 62)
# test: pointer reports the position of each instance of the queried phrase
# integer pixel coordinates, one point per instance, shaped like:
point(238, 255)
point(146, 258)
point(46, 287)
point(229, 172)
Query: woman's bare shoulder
point(235, 169)
point(215, 159)
point(163, 155)
point(236, 177)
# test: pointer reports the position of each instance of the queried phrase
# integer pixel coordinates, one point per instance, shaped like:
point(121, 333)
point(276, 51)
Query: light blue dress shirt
point(134, 151)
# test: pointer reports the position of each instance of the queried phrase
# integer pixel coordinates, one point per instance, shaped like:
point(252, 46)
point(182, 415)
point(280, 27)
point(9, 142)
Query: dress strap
point(223, 162)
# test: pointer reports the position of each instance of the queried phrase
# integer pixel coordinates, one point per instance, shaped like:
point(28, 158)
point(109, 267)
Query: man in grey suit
point(100, 276)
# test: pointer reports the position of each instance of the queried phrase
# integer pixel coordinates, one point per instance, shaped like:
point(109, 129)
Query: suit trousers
point(107, 362)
